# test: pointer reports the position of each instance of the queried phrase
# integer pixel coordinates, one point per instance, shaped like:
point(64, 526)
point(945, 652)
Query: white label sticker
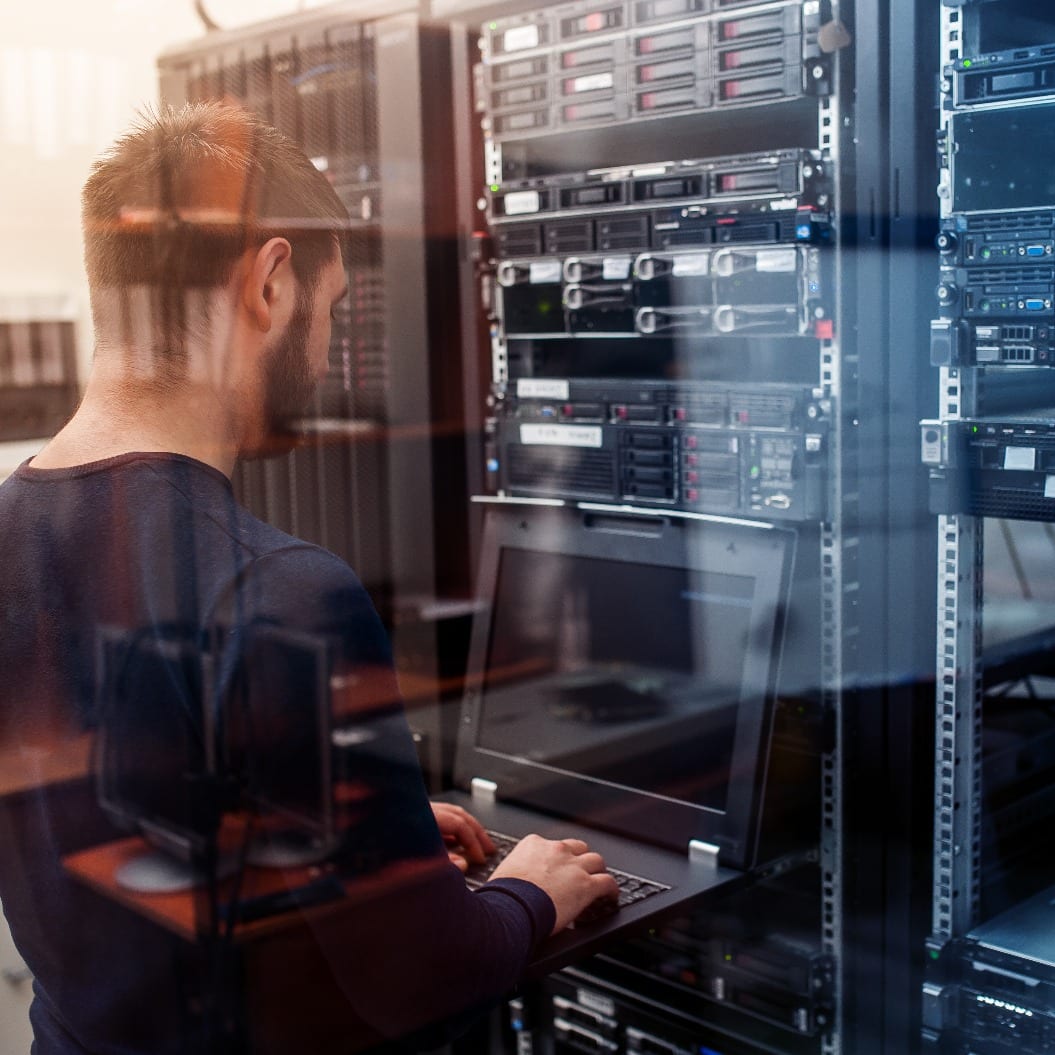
point(520, 38)
point(521, 201)
point(596, 1001)
point(775, 260)
point(1020, 458)
point(615, 268)
point(592, 83)
point(544, 271)
point(562, 435)
point(691, 264)
point(541, 388)
point(1049, 486)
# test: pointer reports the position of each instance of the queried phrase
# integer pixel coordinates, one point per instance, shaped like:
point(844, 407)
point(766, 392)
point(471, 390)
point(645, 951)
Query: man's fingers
point(577, 846)
point(458, 861)
point(592, 862)
point(464, 829)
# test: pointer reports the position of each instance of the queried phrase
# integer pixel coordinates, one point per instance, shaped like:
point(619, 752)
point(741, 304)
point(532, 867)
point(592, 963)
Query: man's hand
point(567, 870)
point(463, 831)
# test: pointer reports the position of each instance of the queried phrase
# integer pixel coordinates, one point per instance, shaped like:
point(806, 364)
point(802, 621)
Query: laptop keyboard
point(631, 888)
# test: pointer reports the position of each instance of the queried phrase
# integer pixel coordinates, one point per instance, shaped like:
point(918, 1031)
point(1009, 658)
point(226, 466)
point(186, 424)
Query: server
point(655, 200)
point(988, 453)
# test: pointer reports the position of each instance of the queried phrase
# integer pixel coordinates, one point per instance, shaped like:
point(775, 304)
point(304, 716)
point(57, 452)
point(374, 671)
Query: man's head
point(208, 235)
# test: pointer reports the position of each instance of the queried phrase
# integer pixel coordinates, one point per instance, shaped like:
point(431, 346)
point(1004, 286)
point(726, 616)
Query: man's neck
point(110, 422)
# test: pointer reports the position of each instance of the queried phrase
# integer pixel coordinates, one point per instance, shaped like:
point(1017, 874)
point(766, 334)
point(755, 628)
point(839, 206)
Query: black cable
point(199, 10)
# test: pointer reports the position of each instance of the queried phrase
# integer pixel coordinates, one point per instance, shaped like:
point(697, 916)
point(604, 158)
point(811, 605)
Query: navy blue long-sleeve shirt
point(156, 544)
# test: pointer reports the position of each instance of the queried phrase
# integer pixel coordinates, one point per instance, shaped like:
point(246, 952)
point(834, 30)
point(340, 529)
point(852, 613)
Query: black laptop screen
point(624, 668)
point(626, 673)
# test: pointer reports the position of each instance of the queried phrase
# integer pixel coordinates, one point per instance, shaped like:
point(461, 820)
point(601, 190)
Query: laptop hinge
point(702, 853)
point(483, 790)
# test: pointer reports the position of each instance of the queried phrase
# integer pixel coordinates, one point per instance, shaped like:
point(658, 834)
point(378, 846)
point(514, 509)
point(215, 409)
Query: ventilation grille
point(561, 473)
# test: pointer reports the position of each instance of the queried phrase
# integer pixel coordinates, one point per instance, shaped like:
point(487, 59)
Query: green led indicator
point(974, 428)
point(494, 188)
point(493, 25)
point(755, 472)
point(934, 954)
point(966, 62)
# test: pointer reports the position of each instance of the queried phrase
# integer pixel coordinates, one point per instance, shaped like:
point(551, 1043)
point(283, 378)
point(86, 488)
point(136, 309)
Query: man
point(214, 264)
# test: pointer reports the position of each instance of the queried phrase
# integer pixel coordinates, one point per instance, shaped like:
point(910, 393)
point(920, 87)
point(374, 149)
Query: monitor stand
point(288, 849)
point(156, 872)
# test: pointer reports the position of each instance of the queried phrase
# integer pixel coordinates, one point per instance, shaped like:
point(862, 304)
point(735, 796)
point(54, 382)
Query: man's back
point(154, 546)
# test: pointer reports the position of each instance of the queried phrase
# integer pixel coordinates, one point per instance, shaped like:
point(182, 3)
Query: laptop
point(622, 666)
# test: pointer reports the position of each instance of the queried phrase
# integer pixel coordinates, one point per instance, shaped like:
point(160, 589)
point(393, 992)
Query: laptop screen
point(624, 668)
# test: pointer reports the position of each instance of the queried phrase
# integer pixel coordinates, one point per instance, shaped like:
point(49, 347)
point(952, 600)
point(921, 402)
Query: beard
point(288, 385)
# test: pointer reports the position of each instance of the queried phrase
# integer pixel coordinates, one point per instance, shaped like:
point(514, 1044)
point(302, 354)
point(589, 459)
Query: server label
point(541, 388)
point(562, 435)
point(520, 39)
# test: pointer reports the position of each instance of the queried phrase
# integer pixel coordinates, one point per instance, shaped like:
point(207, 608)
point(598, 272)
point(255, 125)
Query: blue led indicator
point(814, 287)
point(492, 465)
point(803, 232)
point(517, 1024)
point(708, 1051)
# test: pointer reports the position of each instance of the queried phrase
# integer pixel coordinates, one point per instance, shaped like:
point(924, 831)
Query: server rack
point(364, 89)
point(499, 253)
point(987, 454)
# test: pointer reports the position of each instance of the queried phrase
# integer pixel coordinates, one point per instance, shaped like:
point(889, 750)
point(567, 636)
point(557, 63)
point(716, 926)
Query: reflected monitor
point(279, 721)
point(154, 754)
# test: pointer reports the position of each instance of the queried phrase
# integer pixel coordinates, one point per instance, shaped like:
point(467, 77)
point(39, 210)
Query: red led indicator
point(692, 495)
point(593, 22)
point(731, 60)
point(621, 412)
point(691, 459)
point(728, 182)
point(648, 101)
point(692, 476)
point(691, 442)
point(646, 46)
point(680, 414)
point(648, 73)
point(730, 31)
point(731, 89)
point(824, 330)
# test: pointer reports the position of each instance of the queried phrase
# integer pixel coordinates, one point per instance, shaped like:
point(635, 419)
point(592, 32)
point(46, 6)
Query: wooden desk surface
point(183, 913)
point(48, 760)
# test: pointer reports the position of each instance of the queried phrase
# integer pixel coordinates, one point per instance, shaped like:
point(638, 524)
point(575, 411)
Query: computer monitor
point(155, 753)
point(278, 733)
point(625, 670)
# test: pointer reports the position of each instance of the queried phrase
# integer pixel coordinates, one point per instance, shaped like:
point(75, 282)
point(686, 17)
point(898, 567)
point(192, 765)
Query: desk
point(46, 760)
point(288, 992)
point(178, 912)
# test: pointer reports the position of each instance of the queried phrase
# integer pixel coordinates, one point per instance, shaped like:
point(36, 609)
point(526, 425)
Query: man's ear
point(268, 281)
